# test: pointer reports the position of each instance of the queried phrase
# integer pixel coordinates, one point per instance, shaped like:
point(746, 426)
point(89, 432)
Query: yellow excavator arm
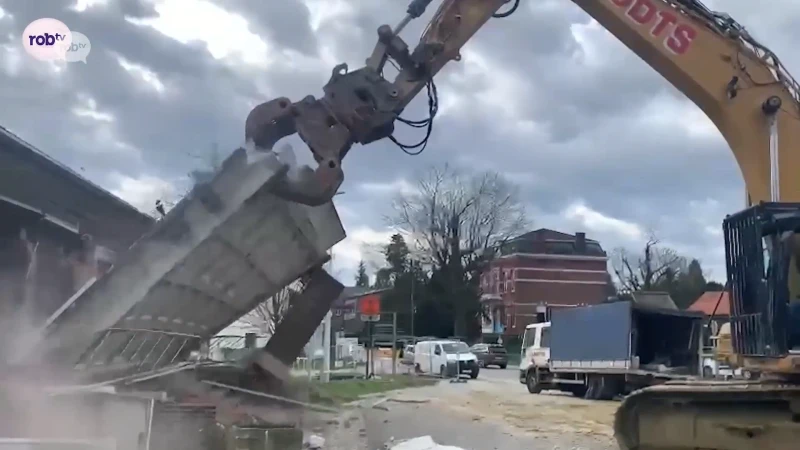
point(740, 85)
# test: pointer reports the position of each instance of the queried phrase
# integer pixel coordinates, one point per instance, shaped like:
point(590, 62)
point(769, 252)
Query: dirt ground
point(493, 412)
point(548, 414)
point(508, 405)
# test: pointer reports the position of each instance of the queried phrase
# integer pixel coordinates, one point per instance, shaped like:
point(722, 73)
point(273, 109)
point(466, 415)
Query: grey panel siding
point(591, 333)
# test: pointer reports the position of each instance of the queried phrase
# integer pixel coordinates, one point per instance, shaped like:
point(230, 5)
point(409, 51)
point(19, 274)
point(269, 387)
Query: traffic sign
point(371, 317)
point(370, 305)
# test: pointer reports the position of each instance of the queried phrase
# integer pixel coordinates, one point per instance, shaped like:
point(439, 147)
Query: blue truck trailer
point(611, 349)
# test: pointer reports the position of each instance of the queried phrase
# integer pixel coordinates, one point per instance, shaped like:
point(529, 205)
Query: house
point(539, 271)
point(58, 229)
point(716, 304)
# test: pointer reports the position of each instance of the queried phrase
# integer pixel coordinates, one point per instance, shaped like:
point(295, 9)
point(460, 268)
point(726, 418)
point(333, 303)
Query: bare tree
point(456, 216)
point(456, 221)
point(269, 313)
point(655, 268)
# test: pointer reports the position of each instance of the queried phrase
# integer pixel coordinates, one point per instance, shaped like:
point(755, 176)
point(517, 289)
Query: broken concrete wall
point(227, 246)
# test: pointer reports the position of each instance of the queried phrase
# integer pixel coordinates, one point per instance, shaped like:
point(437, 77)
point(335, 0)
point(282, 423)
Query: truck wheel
point(417, 368)
point(578, 391)
point(592, 388)
point(708, 372)
point(442, 371)
point(503, 366)
point(532, 382)
point(474, 373)
point(600, 388)
point(609, 387)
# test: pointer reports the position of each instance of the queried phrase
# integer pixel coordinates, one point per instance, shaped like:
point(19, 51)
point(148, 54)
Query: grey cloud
point(286, 22)
point(205, 103)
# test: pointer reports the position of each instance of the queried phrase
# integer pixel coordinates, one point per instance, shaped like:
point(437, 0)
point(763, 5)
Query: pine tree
point(362, 279)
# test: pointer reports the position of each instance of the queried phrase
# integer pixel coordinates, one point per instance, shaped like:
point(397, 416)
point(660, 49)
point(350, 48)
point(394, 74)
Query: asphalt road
point(510, 373)
point(493, 412)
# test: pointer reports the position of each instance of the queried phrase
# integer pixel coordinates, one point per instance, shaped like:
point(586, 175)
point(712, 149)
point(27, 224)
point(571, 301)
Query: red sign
point(370, 305)
point(662, 21)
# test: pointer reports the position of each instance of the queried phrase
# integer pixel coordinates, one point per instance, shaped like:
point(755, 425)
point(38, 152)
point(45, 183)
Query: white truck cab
point(535, 348)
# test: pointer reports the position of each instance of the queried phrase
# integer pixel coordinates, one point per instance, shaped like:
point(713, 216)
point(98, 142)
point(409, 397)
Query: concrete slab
point(224, 248)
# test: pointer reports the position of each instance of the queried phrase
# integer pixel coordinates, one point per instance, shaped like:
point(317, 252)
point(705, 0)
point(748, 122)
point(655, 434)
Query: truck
point(601, 351)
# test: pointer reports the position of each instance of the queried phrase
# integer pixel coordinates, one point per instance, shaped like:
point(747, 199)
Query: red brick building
point(538, 271)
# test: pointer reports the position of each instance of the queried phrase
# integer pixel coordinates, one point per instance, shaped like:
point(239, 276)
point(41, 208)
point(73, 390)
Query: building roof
point(707, 302)
point(652, 299)
point(30, 177)
point(548, 234)
point(354, 292)
point(547, 241)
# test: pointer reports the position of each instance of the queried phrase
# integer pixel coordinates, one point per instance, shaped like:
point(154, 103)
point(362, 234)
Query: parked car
point(490, 355)
point(408, 355)
point(445, 358)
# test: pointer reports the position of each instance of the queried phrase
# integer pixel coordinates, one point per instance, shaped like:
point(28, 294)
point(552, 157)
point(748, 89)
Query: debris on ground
point(343, 431)
point(409, 400)
point(314, 442)
point(421, 443)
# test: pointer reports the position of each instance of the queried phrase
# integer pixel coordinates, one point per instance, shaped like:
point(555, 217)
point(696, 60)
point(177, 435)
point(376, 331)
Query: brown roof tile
point(707, 302)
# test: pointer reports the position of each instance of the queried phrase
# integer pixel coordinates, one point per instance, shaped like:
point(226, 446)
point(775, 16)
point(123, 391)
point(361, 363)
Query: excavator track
point(710, 415)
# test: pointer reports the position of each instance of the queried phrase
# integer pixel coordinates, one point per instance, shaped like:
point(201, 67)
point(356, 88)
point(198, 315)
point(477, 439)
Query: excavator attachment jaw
point(358, 107)
point(361, 106)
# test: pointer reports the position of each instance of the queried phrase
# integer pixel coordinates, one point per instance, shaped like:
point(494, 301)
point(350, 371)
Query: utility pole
point(413, 284)
point(326, 348)
point(394, 343)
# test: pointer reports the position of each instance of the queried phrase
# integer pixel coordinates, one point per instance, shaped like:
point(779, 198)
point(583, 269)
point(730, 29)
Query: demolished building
point(131, 327)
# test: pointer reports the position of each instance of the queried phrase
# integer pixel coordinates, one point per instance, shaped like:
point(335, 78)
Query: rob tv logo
point(51, 40)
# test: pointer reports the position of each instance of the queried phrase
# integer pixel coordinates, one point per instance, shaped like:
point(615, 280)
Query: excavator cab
point(760, 249)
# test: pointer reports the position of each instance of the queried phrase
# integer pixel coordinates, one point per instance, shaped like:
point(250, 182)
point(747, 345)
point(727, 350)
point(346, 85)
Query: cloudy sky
point(596, 140)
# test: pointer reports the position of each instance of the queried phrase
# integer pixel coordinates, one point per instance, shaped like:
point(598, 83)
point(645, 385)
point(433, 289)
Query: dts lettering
point(678, 36)
point(46, 39)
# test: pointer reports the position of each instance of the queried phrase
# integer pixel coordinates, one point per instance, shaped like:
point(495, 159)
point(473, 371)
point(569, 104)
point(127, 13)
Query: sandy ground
point(549, 420)
point(493, 412)
point(548, 414)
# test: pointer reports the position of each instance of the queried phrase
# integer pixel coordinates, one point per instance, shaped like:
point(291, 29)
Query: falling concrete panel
point(301, 320)
point(228, 245)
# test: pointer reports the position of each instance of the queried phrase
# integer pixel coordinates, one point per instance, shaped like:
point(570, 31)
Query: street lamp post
point(413, 283)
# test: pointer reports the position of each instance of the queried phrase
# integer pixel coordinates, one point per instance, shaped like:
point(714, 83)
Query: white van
point(441, 357)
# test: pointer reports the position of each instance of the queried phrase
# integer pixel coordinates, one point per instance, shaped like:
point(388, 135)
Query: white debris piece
point(315, 442)
point(422, 443)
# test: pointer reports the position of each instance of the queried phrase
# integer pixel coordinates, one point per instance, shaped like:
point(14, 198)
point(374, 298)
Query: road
point(493, 412)
point(492, 373)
